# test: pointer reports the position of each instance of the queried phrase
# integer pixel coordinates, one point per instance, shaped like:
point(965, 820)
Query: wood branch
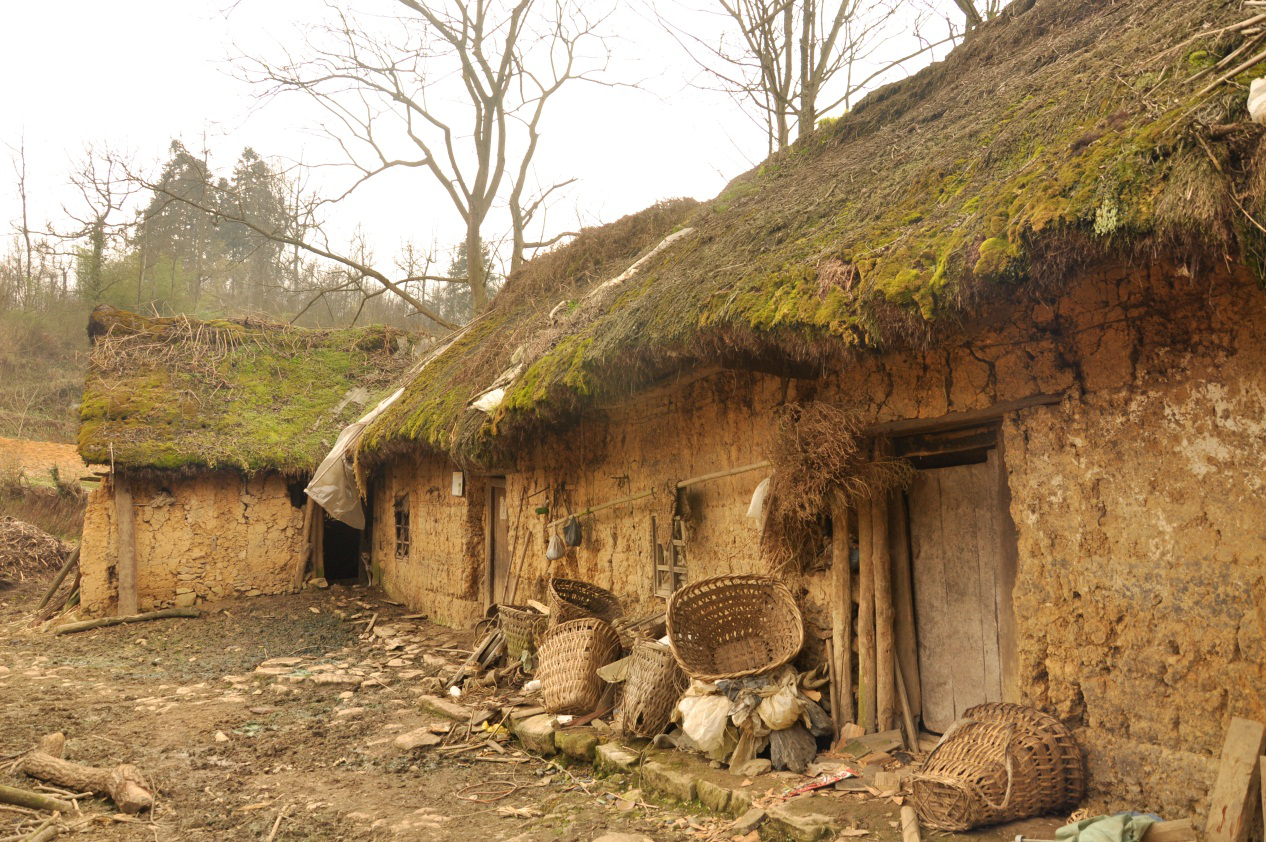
point(71, 561)
point(125, 517)
point(34, 800)
point(909, 824)
point(881, 562)
point(47, 833)
point(841, 613)
point(125, 784)
point(166, 613)
point(865, 620)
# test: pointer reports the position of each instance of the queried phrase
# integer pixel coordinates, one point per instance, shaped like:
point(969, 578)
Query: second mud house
point(210, 430)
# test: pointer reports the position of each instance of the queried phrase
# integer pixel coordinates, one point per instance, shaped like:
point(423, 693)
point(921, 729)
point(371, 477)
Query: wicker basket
point(570, 656)
point(652, 689)
point(999, 763)
point(732, 626)
point(522, 626)
point(573, 600)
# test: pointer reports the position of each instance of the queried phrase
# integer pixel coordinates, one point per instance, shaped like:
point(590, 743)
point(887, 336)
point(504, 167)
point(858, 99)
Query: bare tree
point(795, 61)
point(975, 14)
point(457, 89)
point(102, 193)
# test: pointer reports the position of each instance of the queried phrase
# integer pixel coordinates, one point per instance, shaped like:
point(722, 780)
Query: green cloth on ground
point(1123, 827)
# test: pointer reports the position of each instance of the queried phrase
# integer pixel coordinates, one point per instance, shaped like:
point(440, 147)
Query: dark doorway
point(341, 551)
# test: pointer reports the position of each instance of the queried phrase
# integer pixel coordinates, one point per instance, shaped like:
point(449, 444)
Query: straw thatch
point(182, 394)
point(1064, 132)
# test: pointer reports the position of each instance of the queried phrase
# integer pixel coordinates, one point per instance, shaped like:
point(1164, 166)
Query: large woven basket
point(733, 626)
point(570, 599)
point(570, 656)
point(654, 685)
point(998, 763)
point(522, 626)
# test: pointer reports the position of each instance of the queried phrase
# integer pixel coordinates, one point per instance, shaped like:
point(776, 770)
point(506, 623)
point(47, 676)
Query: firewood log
point(124, 784)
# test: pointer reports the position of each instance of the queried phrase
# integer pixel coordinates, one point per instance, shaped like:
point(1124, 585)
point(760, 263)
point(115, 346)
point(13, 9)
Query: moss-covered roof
point(181, 394)
point(1060, 133)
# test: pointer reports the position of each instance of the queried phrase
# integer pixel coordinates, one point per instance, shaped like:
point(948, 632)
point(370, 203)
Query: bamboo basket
point(999, 763)
point(654, 685)
point(734, 626)
point(570, 656)
point(570, 599)
point(522, 626)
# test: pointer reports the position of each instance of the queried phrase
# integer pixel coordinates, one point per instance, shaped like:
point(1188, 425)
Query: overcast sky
point(134, 74)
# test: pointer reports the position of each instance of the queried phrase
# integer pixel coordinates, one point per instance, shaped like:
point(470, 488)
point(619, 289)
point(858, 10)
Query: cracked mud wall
point(443, 572)
point(198, 539)
point(1137, 501)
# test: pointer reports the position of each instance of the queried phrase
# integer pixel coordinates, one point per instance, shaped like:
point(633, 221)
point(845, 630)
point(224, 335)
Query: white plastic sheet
point(333, 486)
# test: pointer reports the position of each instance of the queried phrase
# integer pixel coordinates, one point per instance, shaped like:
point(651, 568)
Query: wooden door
point(961, 586)
point(498, 539)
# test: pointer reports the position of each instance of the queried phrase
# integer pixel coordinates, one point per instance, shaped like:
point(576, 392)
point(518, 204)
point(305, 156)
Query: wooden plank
point(318, 543)
point(1179, 830)
point(1236, 793)
point(881, 563)
point(842, 612)
point(904, 633)
point(125, 516)
point(989, 565)
point(865, 621)
point(931, 614)
point(970, 418)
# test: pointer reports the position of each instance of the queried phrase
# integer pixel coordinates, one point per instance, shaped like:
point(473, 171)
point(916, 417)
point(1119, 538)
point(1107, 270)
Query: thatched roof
point(1062, 133)
point(181, 394)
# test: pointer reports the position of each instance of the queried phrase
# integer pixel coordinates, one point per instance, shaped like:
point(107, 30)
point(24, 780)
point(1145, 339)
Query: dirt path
point(229, 747)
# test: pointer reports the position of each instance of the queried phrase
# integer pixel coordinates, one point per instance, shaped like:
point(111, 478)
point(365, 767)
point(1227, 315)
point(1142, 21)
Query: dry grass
point(51, 503)
point(817, 452)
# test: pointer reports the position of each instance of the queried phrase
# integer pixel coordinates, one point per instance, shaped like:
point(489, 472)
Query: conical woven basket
point(570, 656)
point(654, 685)
point(570, 599)
point(998, 763)
point(733, 626)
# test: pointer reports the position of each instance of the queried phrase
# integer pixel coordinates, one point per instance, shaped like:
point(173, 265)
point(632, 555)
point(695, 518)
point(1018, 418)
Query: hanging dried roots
point(818, 451)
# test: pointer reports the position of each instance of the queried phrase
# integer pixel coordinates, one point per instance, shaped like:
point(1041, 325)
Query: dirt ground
point(229, 749)
point(37, 458)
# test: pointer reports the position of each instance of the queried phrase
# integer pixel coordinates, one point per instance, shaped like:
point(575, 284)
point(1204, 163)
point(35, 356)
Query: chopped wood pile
point(27, 551)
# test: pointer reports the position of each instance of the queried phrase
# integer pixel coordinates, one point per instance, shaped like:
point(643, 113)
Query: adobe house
point(209, 431)
point(1033, 271)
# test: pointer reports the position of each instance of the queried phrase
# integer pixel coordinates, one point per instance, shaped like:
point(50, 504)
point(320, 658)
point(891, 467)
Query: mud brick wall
point(443, 573)
point(198, 539)
point(1137, 501)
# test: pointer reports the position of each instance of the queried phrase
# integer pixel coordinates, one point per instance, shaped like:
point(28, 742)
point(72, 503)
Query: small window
point(402, 526)
point(670, 558)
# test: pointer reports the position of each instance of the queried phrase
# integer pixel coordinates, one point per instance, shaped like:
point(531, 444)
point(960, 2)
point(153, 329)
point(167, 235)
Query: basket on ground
point(570, 656)
point(1000, 762)
point(570, 599)
point(655, 682)
point(522, 626)
point(733, 626)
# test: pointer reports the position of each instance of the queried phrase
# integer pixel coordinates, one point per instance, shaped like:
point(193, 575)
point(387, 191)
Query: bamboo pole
point(885, 686)
point(904, 632)
point(866, 620)
point(128, 602)
point(163, 614)
point(841, 613)
point(71, 561)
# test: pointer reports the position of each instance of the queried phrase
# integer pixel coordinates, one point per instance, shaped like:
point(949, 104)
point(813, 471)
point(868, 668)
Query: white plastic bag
point(1257, 101)
point(756, 510)
point(556, 549)
point(781, 709)
point(704, 718)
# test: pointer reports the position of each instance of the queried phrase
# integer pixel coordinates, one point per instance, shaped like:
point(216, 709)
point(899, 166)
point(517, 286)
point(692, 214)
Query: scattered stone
point(612, 758)
point(263, 670)
point(282, 662)
point(673, 783)
point(221, 737)
point(397, 662)
point(445, 708)
point(712, 795)
point(262, 710)
point(349, 712)
point(749, 821)
point(536, 733)
point(579, 743)
point(334, 678)
point(757, 766)
point(622, 837)
point(628, 800)
point(384, 631)
point(417, 738)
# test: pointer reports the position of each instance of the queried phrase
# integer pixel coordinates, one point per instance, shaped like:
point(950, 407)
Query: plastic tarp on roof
point(333, 486)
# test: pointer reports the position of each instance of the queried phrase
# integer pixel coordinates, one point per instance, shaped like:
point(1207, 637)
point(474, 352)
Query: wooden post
point(865, 620)
point(905, 636)
point(885, 686)
point(841, 613)
point(318, 543)
point(125, 565)
point(1233, 805)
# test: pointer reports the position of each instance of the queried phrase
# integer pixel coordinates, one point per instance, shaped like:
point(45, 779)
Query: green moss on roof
point(1061, 133)
point(182, 394)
